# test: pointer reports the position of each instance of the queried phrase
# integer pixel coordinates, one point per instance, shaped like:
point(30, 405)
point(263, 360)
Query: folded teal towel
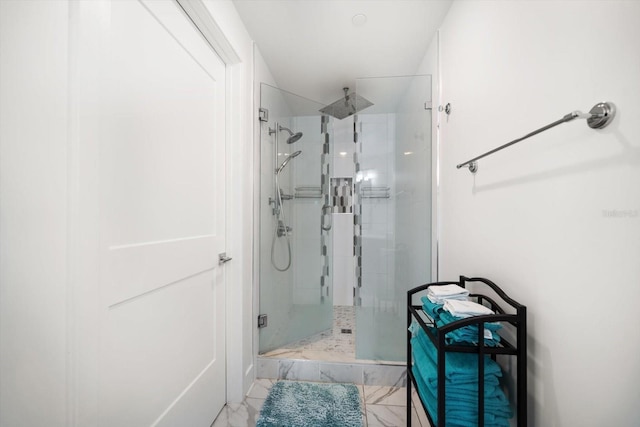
point(460, 416)
point(459, 365)
point(465, 384)
point(454, 417)
point(461, 386)
point(467, 334)
point(494, 397)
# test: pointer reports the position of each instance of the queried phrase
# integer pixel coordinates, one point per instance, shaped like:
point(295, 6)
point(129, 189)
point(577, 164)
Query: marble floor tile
point(299, 370)
point(327, 356)
point(333, 340)
point(422, 416)
point(341, 373)
point(267, 368)
point(385, 375)
point(243, 414)
point(381, 407)
point(390, 416)
point(260, 388)
point(381, 395)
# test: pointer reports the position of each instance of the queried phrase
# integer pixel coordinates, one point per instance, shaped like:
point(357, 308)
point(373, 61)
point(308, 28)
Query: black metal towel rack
point(597, 118)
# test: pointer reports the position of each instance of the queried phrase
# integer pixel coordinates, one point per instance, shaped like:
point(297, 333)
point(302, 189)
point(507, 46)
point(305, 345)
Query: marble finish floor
point(335, 345)
point(381, 407)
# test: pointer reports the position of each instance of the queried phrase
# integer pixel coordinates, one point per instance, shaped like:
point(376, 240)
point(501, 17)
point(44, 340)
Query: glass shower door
point(393, 209)
point(295, 230)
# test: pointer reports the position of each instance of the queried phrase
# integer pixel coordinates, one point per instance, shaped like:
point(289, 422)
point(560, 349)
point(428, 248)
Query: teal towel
point(461, 417)
point(468, 334)
point(461, 386)
point(454, 418)
point(494, 398)
point(459, 366)
point(495, 402)
point(464, 382)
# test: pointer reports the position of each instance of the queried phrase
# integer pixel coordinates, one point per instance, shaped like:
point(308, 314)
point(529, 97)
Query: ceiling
point(314, 48)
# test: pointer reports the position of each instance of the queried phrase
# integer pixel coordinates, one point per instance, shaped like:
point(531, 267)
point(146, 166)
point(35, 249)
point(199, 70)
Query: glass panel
point(393, 189)
point(295, 282)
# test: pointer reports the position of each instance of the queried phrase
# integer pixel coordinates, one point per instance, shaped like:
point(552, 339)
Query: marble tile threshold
point(324, 356)
point(314, 370)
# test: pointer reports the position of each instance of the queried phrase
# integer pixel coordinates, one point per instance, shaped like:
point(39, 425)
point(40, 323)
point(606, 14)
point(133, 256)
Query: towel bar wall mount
point(597, 118)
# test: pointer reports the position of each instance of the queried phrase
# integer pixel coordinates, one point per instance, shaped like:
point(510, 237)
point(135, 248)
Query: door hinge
point(263, 115)
point(428, 105)
point(262, 321)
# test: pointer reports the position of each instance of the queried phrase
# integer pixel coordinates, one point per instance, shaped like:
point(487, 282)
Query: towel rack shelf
point(447, 385)
point(308, 192)
point(598, 117)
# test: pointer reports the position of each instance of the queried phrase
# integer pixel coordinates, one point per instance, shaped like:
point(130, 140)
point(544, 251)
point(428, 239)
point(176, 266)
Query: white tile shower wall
point(343, 260)
point(343, 149)
point(377, 164)
point(378, 215)
point(305, 221)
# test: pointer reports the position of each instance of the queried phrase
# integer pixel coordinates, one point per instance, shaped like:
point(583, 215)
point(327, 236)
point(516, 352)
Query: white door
point(151, 103)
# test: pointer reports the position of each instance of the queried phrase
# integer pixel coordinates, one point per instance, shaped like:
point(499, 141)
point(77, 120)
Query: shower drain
point(345, 331)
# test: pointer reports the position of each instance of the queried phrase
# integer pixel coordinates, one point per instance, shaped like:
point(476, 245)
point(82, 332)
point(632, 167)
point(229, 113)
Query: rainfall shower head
point(289, 157)
point(347, 106)
point(293, 137)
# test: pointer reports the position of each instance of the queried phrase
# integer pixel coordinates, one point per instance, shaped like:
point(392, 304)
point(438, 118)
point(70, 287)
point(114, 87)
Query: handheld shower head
point(289, 157)
point(293, 137)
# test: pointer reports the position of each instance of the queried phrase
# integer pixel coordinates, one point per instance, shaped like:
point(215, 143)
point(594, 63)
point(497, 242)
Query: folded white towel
point(465, 308)
point(438, 294)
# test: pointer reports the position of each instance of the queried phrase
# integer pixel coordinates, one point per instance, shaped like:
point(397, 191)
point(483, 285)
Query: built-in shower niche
point(342, 195)
point(342, 205)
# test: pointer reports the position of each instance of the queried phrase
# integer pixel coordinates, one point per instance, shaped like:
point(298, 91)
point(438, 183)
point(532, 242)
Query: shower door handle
point(326, 227)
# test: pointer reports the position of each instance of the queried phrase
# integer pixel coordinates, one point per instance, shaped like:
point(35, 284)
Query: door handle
point(222, 258)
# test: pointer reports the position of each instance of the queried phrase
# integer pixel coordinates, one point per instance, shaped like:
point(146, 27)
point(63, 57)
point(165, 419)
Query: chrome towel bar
point(597, 118)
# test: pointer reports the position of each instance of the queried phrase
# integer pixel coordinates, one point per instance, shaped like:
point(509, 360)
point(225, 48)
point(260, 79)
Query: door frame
point(198, 13)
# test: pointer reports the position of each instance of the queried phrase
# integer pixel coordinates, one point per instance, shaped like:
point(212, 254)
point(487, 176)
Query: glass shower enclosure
point(295, 224)
point(345, 213)
point(393, 209)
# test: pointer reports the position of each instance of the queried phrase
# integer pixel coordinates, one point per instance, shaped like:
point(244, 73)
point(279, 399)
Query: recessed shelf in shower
point(342, 195)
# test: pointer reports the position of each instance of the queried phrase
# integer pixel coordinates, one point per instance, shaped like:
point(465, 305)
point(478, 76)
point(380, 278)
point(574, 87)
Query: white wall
point(33, 221)
point(554, 220)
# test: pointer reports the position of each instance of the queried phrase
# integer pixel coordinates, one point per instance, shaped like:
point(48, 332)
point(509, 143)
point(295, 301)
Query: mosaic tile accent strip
point(325, 220)
point(357, 213)
point(342, 195)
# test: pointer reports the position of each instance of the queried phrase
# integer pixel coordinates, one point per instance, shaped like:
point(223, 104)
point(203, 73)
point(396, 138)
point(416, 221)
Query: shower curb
point(374, 373)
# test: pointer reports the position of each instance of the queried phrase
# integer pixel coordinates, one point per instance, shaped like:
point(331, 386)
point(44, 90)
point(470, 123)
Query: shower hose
point(280, 219)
